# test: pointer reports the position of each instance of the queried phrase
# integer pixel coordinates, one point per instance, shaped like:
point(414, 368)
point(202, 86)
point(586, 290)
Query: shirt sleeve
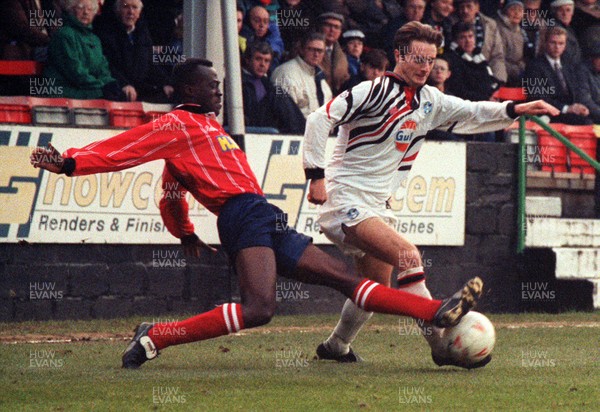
point(345, 107)
point(465, 117)
point(159, 139)
point(174, 208)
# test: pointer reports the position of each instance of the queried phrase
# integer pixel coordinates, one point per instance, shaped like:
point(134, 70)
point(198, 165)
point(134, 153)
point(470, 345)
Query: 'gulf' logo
point(405, 134)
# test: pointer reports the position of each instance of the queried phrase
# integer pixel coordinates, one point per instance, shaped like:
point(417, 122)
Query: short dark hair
point(416, 31)
point(375, 58)
point(261, 47)
point(184, 73)
point(461, 27)
point(311, 36)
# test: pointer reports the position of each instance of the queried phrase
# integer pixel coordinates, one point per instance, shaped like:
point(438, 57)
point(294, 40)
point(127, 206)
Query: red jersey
point(198, 154)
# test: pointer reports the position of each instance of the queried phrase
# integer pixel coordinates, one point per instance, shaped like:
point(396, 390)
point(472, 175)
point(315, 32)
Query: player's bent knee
point(258, 314)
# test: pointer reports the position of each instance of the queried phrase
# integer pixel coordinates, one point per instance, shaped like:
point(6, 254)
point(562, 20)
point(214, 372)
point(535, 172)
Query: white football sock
point(431, 333)
point(350, 323)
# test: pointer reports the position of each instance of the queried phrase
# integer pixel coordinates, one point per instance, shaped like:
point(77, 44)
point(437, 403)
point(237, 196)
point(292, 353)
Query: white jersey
point(382, 125)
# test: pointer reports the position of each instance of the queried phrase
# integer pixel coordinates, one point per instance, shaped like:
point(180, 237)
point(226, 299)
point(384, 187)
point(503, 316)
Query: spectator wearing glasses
point(75, 59)
point(335, 63)
point(302, 78)
point(260, 28)
point(440, 73)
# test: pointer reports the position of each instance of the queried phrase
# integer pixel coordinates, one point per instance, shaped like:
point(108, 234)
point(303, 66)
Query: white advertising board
point(122, 207)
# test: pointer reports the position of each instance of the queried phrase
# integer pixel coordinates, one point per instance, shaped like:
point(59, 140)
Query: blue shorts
point(248, 220)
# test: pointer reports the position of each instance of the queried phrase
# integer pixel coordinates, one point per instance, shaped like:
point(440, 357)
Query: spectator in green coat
point(76, 66)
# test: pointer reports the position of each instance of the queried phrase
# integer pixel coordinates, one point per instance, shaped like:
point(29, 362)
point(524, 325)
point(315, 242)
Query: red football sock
point(373, 297)
point(218, 322)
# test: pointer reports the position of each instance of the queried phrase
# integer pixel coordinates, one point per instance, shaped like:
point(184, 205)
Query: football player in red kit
point(200, 158)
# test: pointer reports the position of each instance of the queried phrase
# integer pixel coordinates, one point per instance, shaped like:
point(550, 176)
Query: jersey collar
point(416, 95)
point(194, 108)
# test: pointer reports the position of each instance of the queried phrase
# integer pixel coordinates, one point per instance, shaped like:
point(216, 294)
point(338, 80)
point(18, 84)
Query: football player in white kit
point(382, 125)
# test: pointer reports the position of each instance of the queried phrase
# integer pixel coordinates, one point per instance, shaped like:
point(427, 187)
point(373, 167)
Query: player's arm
point(465, 117)
point(174, 210)
point(318, 125)
point(133, 147)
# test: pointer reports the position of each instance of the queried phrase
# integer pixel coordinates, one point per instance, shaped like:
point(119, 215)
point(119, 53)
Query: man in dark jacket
point(472, 77)
point(127, 45)
point(553, 79)
point(263, 106)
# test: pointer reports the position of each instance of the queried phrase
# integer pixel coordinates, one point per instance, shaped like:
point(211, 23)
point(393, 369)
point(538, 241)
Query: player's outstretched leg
point(149, 339)
point(140, 349)
point(256, 270)
point(316, 267)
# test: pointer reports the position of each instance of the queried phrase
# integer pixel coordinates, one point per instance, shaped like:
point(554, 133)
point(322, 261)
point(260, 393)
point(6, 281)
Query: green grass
point(534, 368)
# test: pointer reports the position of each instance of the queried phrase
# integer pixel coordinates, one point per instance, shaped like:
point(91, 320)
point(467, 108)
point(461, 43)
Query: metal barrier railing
point(521, 214)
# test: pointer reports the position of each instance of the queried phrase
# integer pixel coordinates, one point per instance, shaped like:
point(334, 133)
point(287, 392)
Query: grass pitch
point(541, 362)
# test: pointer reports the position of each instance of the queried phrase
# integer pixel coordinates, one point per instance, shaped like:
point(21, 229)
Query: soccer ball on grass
point(471, 340)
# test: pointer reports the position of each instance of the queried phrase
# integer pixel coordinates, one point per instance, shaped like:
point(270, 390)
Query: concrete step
point(576, 244)
point(543, 206)
point(551, 232)
point(577, 264)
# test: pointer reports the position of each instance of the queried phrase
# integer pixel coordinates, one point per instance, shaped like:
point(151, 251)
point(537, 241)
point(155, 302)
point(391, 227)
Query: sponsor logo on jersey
point(428, 107)
point(227, 143)
point(405, 134)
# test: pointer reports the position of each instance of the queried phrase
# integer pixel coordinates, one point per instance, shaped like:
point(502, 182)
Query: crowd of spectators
point(297, 54)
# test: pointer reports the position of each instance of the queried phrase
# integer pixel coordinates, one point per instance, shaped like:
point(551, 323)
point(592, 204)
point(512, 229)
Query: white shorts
point(349, 206)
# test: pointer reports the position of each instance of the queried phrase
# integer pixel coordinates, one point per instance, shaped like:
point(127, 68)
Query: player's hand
point(578, 109)
point(316, 191)
point(47, 158)
point(130, 93)
point(537, 107)
point(192, 245)
point(169, 90)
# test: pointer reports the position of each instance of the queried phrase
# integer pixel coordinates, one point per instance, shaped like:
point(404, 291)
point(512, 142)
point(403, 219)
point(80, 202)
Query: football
point(472, 339)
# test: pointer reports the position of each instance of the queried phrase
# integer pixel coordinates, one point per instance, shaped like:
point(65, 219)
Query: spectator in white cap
point(513, 39)
point(353, 41)
point(335, 63)
point(562, 11)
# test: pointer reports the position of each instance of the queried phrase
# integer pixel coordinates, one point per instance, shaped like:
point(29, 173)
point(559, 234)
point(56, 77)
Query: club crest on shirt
point(428, 107)
point(405, 134)
point(352, 213)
